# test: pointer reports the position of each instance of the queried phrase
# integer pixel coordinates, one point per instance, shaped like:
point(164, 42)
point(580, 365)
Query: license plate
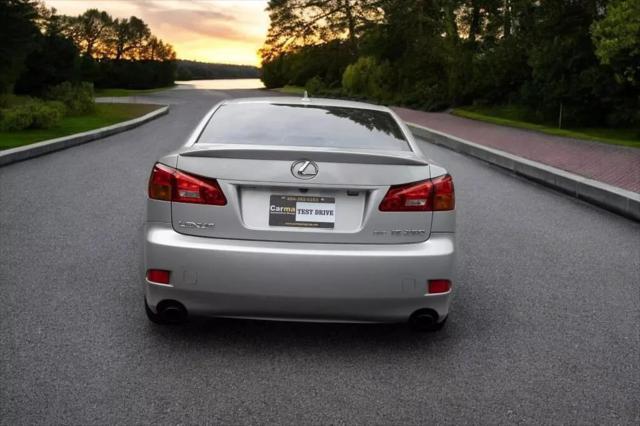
point(302, 211)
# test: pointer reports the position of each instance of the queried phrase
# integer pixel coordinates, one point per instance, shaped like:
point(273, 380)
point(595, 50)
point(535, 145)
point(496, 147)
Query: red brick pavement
point(616, 165)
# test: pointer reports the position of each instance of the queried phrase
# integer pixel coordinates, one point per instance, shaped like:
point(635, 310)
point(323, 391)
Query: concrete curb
point(13, 155)
point(615, 199)
point(130, 100)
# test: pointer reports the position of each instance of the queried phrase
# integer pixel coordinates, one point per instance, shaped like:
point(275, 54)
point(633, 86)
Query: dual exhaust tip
point(174, 312)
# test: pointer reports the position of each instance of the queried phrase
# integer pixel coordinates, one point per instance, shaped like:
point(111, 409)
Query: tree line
point(98, 35)
point(41, 48)
point(573, 60)
point(195, 70)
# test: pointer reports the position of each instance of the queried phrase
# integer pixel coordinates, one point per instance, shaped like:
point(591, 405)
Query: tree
point(617, 40)
point(18, 32)
point(157, 50)
point(54, 60)
point(566, 76)
point(129, 37)
point(298, 23)
point(434, 54)
point(89, 30)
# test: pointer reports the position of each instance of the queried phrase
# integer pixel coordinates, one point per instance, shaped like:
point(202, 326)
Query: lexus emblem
point(304, 169)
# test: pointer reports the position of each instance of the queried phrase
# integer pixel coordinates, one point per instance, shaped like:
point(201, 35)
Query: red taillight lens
point(444, 196)
point(193, 189)
point(161, 182)
point(158, 276)
point(169, 184)
point(428, 195)
point(408, 198)
point(439, 286)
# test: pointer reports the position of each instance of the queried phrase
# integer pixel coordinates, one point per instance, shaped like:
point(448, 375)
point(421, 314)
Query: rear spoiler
point(288, 153)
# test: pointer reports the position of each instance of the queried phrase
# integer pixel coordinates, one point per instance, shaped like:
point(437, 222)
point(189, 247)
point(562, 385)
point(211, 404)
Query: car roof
point(306, 101)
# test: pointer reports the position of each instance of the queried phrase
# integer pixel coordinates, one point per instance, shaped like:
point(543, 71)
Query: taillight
point(193, 189)
point(161, 182)
point(428, 195)
point(169, 184)
point(444, 195)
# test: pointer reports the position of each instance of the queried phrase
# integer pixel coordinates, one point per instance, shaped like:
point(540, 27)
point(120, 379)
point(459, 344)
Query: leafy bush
point(8, 100)
point(314, 86)
point(425, 94)
point(369, 78)
point(274, 73)
point(355, 78)
point(29, 113)
point(16, 118)
point(78, 98)
point(46, 114)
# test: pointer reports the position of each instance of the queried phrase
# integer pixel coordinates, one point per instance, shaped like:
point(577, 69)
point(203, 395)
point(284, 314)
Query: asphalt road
point(544, 326)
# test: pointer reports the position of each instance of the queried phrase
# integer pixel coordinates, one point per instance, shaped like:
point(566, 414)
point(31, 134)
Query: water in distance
point(222, 84)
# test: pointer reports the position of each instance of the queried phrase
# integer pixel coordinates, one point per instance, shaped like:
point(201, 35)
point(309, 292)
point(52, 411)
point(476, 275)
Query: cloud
point(198, 29)
point(203, 23)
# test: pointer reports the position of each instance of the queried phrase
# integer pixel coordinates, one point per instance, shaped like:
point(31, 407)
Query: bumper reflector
point(439, 286)
point(158, 276)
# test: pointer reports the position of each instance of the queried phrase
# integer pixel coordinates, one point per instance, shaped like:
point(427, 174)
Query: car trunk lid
point(267, 201)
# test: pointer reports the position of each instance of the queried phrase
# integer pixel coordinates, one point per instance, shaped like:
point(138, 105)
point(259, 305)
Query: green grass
point(103, 115)
point(291, 90)
point(128, 92)
point(514, 116)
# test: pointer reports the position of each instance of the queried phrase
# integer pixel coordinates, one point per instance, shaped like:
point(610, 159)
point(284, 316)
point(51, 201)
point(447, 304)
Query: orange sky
point(226, 31)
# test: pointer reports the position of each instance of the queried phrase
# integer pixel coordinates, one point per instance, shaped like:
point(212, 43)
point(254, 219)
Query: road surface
point(544, 324)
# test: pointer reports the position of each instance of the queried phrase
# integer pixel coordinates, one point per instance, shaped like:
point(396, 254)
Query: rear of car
point(295, 209)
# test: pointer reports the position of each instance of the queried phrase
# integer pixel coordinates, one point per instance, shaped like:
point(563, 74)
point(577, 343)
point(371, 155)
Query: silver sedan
point(303, 210)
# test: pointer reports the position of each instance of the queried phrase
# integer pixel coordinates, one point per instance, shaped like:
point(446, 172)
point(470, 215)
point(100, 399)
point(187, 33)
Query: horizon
point(225, 32)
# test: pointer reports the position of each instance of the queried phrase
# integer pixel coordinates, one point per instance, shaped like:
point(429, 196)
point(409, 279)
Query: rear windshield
point(304, 125)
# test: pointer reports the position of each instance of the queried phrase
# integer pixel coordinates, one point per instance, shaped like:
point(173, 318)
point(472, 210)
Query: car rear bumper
point(298, 281)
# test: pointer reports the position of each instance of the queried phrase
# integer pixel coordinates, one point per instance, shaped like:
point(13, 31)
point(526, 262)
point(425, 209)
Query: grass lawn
point(128, 92)
point(103, 115)
point(518, 117)
point(291, 90)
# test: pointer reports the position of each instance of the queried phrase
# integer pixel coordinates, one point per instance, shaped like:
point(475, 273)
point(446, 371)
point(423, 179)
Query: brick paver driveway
point(616, 165)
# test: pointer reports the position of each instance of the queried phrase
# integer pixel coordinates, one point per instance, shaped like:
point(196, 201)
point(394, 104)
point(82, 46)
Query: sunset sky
point(226, 31)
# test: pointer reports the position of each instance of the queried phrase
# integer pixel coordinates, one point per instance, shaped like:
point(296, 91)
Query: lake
point(222, 84)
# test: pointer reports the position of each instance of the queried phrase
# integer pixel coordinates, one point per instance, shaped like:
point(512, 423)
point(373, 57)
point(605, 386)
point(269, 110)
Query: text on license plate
point(303, 211)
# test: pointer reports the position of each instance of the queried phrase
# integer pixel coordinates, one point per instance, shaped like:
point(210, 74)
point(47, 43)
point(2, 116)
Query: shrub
point(314, 86)
point(9, 100)
point(16, 118)
point(46, 114)
point(355, 77)
point(366, 77)
point(78, 98)
point(426, 95)
point(25, 113)
point(273, 73)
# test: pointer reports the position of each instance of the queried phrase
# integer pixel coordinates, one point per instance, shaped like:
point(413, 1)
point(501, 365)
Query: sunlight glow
point(224, 31)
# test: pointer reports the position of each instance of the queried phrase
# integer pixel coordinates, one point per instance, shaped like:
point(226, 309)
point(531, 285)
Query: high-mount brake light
point(428, 195)
point(169, 184)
